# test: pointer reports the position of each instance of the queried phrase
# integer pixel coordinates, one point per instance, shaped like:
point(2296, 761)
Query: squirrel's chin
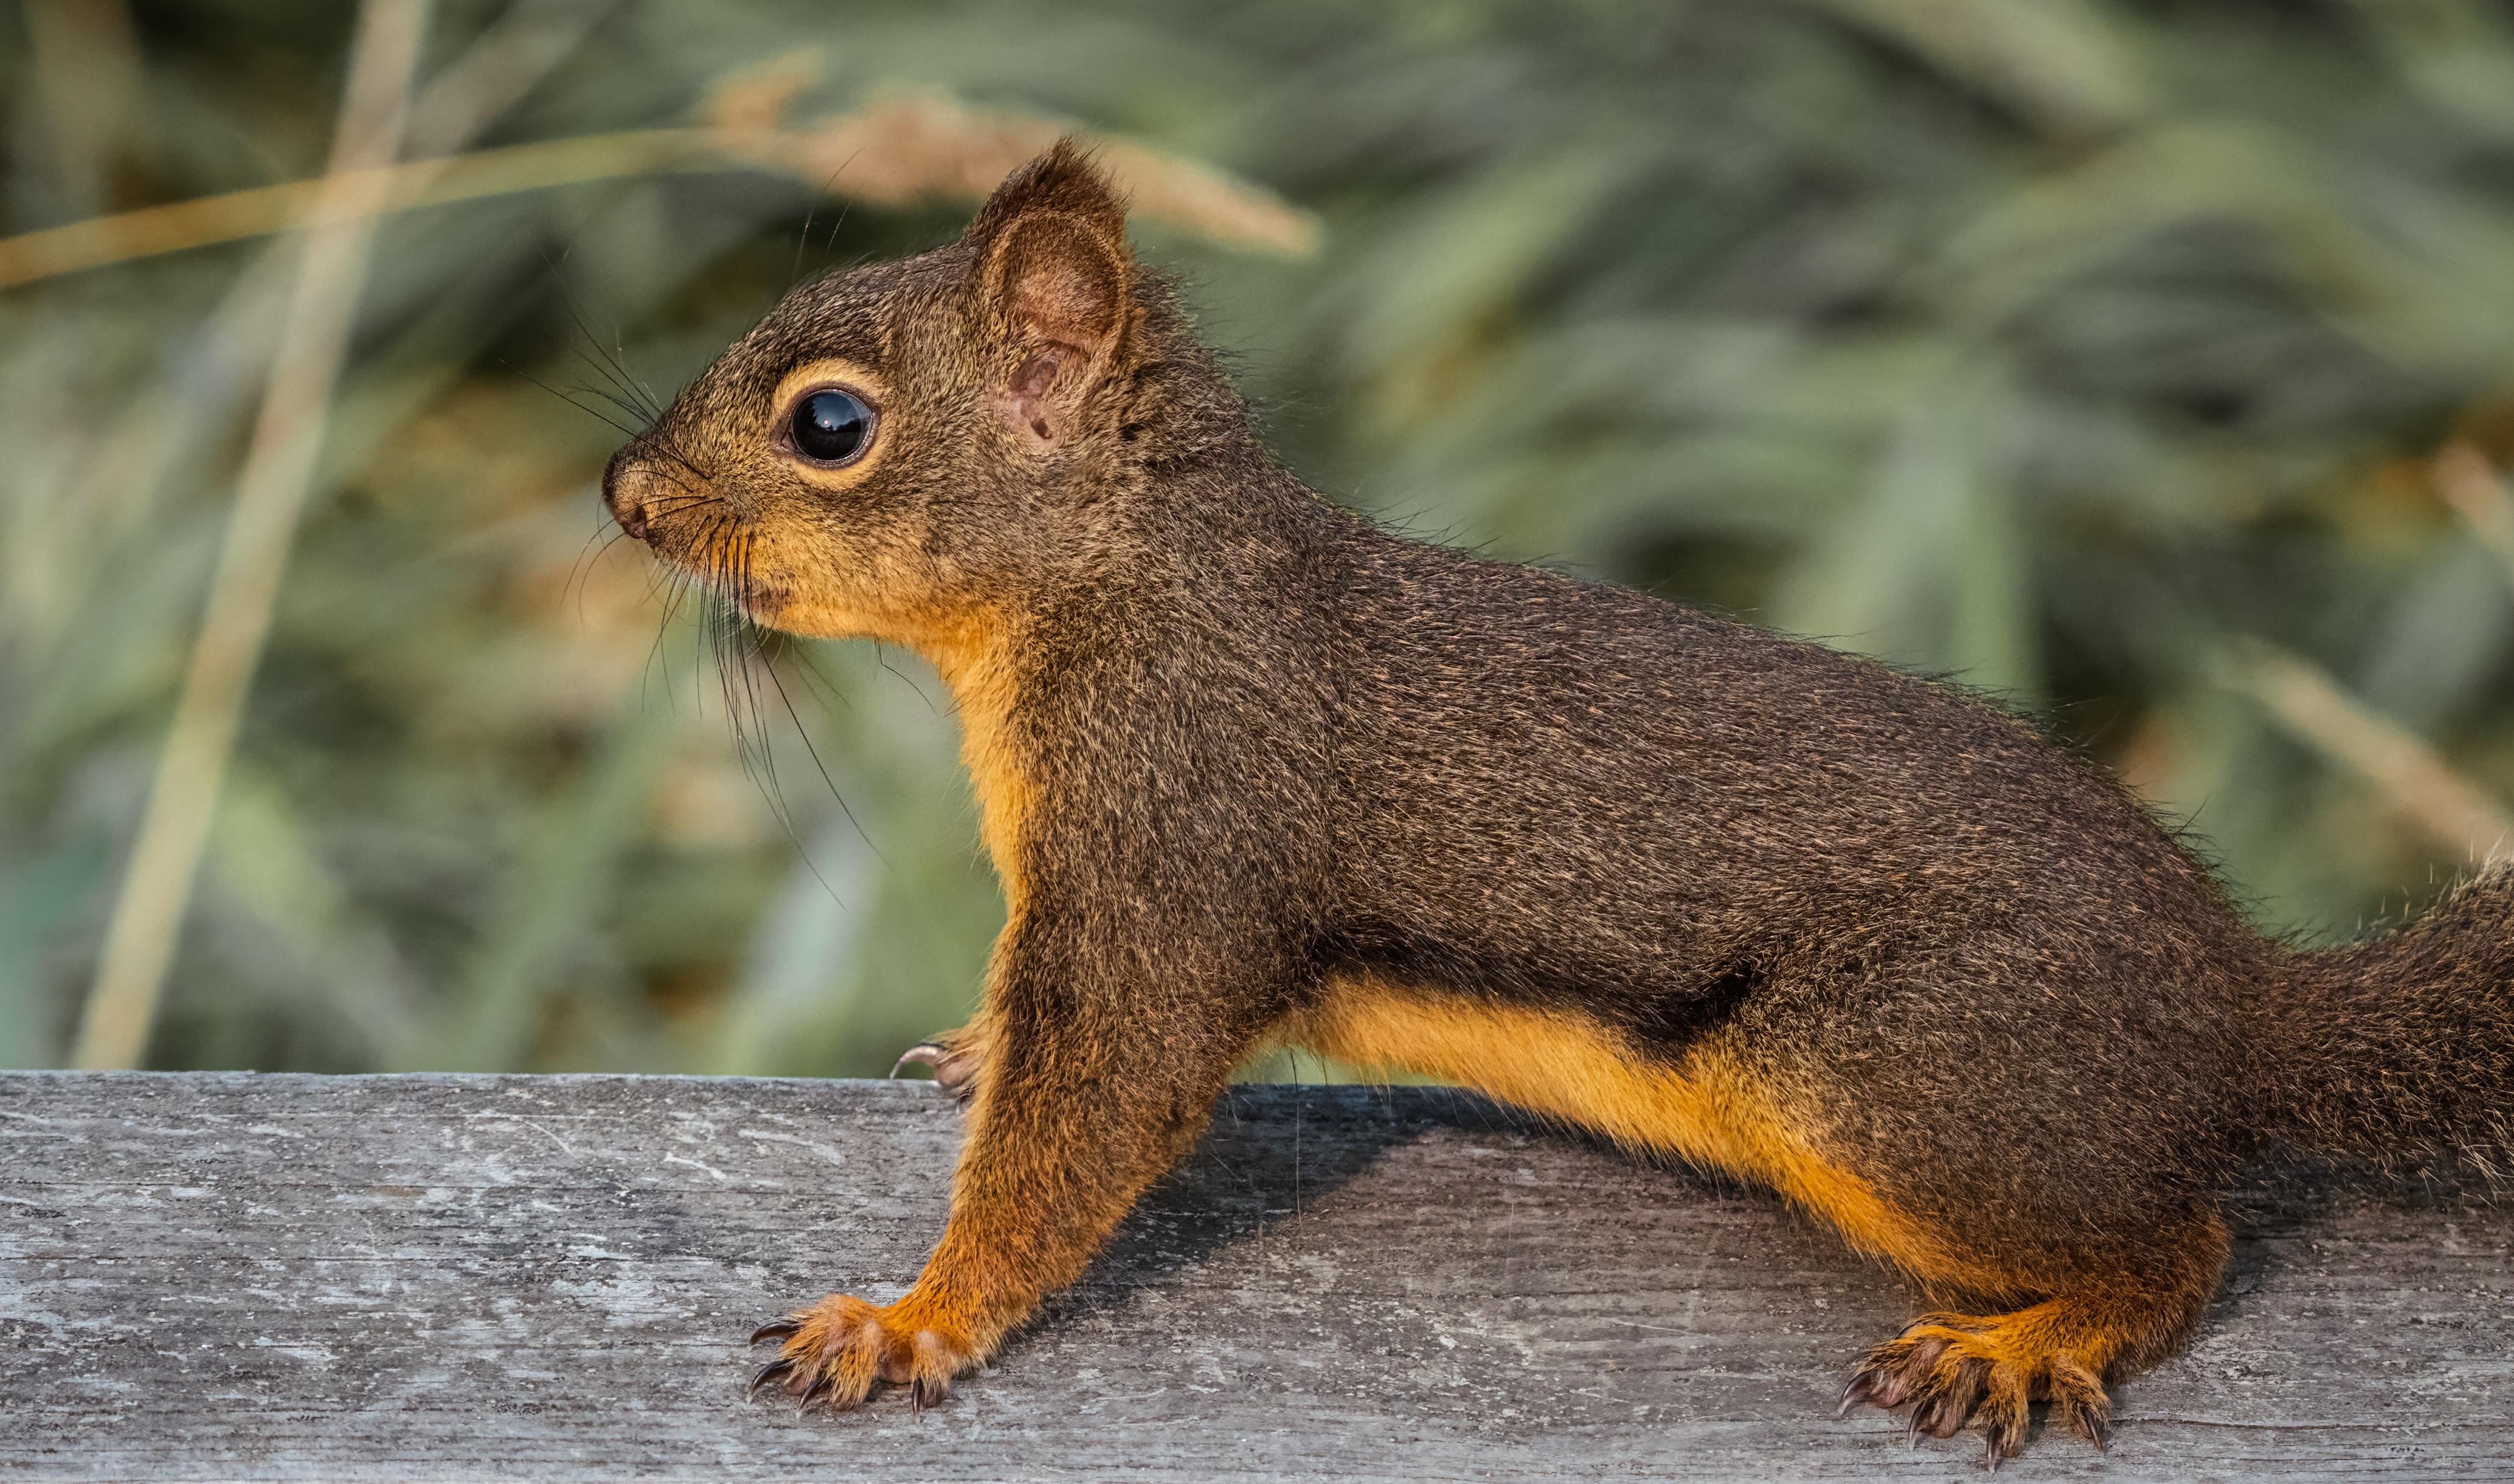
point(782, 611)
point(774, 612)
point(759, 602)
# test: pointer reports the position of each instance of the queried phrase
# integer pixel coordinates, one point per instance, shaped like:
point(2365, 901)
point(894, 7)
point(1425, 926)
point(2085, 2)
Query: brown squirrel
point(1254, 769)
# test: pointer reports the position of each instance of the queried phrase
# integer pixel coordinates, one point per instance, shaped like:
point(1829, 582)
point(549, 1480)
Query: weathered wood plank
point(239, 1277)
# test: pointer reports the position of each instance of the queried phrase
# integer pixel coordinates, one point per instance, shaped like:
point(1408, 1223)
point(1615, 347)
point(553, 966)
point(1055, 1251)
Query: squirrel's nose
point(625, 506)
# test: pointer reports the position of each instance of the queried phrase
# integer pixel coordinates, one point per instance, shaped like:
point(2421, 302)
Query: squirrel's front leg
point(1062, 1141)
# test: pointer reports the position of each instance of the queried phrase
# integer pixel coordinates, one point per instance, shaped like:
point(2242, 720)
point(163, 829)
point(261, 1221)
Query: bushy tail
point(2403, 1048)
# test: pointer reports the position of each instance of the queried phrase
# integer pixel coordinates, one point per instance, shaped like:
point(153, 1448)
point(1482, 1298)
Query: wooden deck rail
point(425, 1277)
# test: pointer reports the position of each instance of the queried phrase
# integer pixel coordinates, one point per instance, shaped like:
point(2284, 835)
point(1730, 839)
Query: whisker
point(680, 591)
point(596, 547)
point(881, 657)
point(629, 397)
point(803, 238)
point(632, 408)
point(665, 446)
point(677, 505)
point(818, 765)
point(624, 429)
point(614, 373)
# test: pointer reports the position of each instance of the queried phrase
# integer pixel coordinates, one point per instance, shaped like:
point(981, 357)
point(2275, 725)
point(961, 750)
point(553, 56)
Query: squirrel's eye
point(831, 426)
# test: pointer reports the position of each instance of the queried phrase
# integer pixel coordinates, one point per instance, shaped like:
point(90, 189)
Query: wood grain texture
point(280, 1277)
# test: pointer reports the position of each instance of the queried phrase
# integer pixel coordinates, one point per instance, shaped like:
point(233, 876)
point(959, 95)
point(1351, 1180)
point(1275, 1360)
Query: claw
point(780, 1328)
point(954, 1070)
point(924, 1393)
point(813, 1392)
point(1854, 1394)
point(2091, 1426)
point(1931, 1416)
point(768, 1373)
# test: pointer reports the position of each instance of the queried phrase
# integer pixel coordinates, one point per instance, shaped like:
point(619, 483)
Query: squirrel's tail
point(2404, 1046)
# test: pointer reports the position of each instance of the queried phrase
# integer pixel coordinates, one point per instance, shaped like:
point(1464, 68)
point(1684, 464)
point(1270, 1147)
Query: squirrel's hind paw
point(1954, 1367)
point(954, 1058)
point(837, 1350)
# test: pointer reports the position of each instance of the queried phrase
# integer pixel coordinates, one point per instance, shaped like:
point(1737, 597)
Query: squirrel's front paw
point(836, 1350)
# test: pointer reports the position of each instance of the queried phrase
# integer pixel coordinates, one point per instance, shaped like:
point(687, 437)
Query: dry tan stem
point(115, 493)
point(896, 152)
point(2419, 783)
point(2470, 484)
point(279, 471)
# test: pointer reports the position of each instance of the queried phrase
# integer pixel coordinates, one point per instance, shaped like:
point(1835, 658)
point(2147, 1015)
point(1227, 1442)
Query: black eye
point(831, 426)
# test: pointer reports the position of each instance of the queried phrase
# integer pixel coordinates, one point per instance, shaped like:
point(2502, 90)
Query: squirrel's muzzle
point(623, 485)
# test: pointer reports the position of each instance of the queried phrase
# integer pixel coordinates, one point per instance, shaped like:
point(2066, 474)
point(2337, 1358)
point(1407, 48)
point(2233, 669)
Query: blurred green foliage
point(2053, 344)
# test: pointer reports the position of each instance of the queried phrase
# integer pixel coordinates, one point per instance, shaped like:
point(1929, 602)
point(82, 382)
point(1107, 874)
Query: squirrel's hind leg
point(1951, 1367)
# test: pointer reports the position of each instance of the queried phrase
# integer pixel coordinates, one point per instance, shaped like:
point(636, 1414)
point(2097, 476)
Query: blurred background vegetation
point(2148, 362)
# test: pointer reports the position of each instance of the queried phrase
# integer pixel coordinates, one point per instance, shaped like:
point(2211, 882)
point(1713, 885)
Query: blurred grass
point(2100, 352)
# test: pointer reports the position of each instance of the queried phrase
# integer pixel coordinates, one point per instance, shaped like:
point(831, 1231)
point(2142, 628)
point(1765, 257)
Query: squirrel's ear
point(1051, 249)
point(1063, 181)
point(1054, 277)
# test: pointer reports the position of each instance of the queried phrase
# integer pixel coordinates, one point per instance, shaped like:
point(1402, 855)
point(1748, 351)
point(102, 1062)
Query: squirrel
point(1254, 770)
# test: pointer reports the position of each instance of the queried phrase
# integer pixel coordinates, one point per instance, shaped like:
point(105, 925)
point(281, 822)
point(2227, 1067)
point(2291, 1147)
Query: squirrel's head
point(897, 447)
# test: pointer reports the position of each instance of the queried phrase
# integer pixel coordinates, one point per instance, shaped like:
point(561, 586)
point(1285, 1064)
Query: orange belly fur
point(1706, 1107)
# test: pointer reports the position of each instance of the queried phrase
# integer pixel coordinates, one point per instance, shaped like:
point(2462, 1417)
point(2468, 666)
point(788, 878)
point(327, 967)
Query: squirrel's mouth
point(724, 565)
